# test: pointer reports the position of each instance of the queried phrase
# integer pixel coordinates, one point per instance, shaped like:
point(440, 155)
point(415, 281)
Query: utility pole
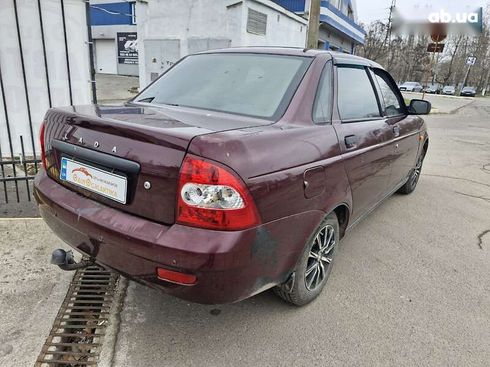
point(484, 90)
point(487, 78)
point(390, 21)
point(388, 33)
point(466, 77)
point(313, 24)
point(470, 63)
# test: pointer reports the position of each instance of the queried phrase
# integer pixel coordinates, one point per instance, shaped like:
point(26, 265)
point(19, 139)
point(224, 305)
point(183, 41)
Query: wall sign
point(127, 48)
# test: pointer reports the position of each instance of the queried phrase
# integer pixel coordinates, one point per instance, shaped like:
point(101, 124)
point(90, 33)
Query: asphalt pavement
point(410, 286)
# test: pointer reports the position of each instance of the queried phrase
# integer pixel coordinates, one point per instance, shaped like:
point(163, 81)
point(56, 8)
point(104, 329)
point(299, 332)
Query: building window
point(256, 22)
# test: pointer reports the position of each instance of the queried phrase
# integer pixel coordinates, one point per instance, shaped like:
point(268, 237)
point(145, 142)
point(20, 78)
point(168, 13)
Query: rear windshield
point(258, 85)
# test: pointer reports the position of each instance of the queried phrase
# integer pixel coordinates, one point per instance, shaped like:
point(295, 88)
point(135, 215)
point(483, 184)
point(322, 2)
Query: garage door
point(105, 56)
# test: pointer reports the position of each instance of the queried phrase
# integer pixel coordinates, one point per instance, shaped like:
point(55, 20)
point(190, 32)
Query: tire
point(306, 287)
point(413, 178)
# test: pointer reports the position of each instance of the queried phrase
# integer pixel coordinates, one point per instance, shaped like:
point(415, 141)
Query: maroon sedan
point(236, 171)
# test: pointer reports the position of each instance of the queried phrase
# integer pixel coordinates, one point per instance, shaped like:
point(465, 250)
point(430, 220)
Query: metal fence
point(18, 169)
point(16, 176)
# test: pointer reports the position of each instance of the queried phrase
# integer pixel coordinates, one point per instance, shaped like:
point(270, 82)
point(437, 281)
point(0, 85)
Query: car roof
point(339, 58)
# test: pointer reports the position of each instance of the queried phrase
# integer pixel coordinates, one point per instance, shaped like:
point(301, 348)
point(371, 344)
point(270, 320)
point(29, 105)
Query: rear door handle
point(396, 131)
point(350, 141)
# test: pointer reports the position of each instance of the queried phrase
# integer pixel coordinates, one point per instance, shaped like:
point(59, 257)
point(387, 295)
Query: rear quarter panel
point(272, 162)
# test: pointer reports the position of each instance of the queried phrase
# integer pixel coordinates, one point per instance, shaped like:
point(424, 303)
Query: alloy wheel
point(320, 257)
point(416, 173)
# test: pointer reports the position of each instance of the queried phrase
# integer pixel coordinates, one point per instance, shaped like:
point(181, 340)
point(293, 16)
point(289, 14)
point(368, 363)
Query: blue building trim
point(297, 6)
point(333, 9)
point(326, 19)
point(112, 13)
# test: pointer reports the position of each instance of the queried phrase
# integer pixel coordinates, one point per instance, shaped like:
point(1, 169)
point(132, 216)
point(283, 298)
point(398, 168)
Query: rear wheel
point(413, 179)
point(314, 266)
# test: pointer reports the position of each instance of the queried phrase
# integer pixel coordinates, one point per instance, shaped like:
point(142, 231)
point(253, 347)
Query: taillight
point(212, 196)
point(41, 140)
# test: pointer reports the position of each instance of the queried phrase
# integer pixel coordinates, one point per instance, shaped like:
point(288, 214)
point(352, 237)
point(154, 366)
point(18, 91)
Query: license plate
point(93, 179)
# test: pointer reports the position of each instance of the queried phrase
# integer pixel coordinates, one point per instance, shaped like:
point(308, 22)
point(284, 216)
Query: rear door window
point(356, 96)
point(393, 102)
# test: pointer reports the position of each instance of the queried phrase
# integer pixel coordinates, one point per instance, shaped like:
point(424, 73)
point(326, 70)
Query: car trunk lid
point(143, 145)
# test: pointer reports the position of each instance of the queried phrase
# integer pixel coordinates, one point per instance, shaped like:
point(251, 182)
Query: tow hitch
point(66, 261)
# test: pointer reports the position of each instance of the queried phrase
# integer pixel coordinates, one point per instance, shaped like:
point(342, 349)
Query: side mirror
point(419, 107)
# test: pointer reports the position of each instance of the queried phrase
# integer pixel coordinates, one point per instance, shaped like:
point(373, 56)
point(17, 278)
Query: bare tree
point(407, 59)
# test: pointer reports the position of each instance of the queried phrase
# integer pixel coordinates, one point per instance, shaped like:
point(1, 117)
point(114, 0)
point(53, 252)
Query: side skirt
point(358, 220)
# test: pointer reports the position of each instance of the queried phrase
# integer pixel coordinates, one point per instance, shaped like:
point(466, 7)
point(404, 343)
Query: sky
point(371, 10)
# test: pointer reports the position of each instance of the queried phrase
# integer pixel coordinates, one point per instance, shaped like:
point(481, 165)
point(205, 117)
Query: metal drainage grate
point(79, 327)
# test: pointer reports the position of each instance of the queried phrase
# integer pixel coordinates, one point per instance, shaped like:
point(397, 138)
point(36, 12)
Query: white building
point(114, 34)
point(44, 62)
point(171, 29)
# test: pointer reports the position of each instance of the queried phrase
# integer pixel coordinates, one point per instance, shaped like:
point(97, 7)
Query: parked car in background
point(411, 87)
point(193, 187)
point(449, 90)
point(468, 92)
point(433, 88)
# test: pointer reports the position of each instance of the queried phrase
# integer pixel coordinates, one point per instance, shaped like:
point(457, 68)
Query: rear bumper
point(229, 266)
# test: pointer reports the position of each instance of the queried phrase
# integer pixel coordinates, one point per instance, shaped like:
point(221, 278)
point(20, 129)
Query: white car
point(449, 90)
point(411, 87)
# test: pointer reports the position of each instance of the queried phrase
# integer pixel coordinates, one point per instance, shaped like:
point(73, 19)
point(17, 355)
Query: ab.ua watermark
point(443, 16)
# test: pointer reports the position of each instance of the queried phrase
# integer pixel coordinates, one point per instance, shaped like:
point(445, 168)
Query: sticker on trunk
point(94, 179)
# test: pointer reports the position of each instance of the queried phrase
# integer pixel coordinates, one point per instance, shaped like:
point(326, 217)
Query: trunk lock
point(147, 185)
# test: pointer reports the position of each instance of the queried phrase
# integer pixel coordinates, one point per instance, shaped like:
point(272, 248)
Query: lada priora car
point(236, 171)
